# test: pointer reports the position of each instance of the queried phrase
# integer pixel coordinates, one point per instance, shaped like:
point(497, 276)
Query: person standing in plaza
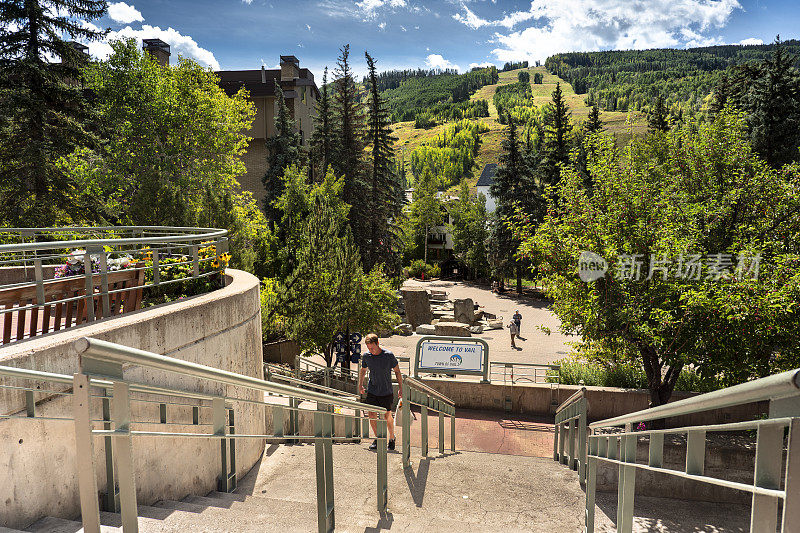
point(379, 388)
point(518, 321)
point(514, 332)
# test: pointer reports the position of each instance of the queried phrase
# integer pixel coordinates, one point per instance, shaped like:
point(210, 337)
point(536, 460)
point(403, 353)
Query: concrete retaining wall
point(281, 352)
point(222, 329)
point(604, 402)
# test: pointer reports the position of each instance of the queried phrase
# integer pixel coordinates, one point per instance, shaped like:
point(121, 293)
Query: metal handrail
point(329, 390)
point(769, 388)
point(574, 397)
point(570, 432)
point(417, 393)
point(116, 353)
point(202, 234)
point(427, 389)
point(772, 481)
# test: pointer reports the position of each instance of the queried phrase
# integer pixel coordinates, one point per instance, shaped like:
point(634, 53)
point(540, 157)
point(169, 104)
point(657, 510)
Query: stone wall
point(221, 329)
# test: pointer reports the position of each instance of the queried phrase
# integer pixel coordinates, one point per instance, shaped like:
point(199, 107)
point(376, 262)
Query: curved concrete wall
point(222, 329)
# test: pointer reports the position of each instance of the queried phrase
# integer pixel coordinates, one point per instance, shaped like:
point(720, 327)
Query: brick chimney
point(158, 50)
point(290, 68)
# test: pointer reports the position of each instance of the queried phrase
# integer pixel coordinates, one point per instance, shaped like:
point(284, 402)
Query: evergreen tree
point(426, 207)
point(769, 93)
point(557, 129)
point(593, 124)
point(42, 108)
point(470, 232)
point(283, 150)
point(513, 188)
point(384, 204)
point(349, 132)
point(658, 118)
point(322, 138)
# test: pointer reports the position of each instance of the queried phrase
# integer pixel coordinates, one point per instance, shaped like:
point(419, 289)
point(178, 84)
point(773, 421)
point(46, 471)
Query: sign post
point(452, 355)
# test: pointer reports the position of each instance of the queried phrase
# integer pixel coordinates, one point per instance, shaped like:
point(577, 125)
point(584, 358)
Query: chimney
point(263, 75)
point(290, 68)
point(158, 50)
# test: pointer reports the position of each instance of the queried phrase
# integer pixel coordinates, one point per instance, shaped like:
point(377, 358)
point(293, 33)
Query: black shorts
point(380, 401)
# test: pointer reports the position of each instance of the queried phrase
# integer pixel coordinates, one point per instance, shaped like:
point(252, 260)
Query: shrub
point(424, 121)
point(626, 375)
point(419, 267)
point(524, 77)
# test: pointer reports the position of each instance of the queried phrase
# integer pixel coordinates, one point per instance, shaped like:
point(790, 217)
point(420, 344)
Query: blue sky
point(242, 34)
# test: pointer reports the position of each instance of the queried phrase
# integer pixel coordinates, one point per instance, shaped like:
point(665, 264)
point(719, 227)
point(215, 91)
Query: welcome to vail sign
point(452, 355)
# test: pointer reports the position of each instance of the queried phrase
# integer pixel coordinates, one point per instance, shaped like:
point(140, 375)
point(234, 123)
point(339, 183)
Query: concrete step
point(50, 524)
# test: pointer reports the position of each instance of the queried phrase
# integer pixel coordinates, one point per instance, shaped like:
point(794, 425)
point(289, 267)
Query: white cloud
point(487, 64)
point(382, 25)
point(586, 25)
point(751, 40)
point(369, 7)
point(439, 62)
point(180, 45)
point(123, 13)
point(248, 2)
point(308, 27)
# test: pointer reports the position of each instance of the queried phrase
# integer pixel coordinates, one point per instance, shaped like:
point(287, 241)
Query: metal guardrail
point(426, 398)
point(524, 372)
point(100, 376)
point(570, 431)
point(772, 482)
point(338, 378)
point(80, 266)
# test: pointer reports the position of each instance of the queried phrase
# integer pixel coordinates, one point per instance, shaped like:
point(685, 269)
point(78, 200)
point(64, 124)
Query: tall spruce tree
point(514, 187)
point(283, 149)
point(658, 118)
point(769, 94)
point(385, 197)
point(322, 138)
point(347, 153)
point(593, 124)
point(42, 108)
point(557, 142)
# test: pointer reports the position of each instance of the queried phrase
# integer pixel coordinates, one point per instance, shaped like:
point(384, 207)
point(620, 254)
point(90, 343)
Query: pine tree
point(593, 123)
point(557, 129)
point(513, 187)
point(347, 153)
point(384, 203)
point(283, 150)
point(322, 138)
point(42, 108)
point(658, 118)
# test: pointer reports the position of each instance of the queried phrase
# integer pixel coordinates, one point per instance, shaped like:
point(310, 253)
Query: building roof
point(233, 80)
point(487, 175)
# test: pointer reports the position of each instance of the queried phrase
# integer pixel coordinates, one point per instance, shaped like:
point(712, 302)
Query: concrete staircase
point(465, 491)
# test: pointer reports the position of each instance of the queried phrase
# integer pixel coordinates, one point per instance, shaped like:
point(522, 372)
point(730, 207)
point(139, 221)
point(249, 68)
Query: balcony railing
point(56, 278)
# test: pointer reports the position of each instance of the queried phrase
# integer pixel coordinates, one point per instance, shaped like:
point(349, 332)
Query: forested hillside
point(632, 79)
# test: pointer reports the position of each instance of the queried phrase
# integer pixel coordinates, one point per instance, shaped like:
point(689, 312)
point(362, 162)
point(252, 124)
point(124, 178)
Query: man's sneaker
point(391, 444)
point(374, 445)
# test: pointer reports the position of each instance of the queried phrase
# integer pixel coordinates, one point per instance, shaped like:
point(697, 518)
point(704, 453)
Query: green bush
point(625, 375)
point(424, 121)
point(419, 267)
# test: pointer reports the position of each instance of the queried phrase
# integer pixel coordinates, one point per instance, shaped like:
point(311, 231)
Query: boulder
point(404, 329)
point(426, 329)
point(417, 306)
point(464, 310)
point(477, 330)
point(452, 329)
point(494, 323)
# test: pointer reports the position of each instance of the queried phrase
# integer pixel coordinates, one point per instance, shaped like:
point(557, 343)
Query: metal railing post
point(319, 457)
point(111, 497)
point(626, 483)
point(571, 443)
point(383, 481)
point(591, 484)
point(561, 437)
point(453, 431)
point(104, 299)
point(582, 444)
point(406, 425)
point(424, 419)
point(277, 421)
point(556, 427)
point(87, 266)
point(790, 522)
point(219, 428)
point(769, 459)
point(327, 420)
point(441, 431)
point(656, 451)
point(84, 451)
point(121, 414)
